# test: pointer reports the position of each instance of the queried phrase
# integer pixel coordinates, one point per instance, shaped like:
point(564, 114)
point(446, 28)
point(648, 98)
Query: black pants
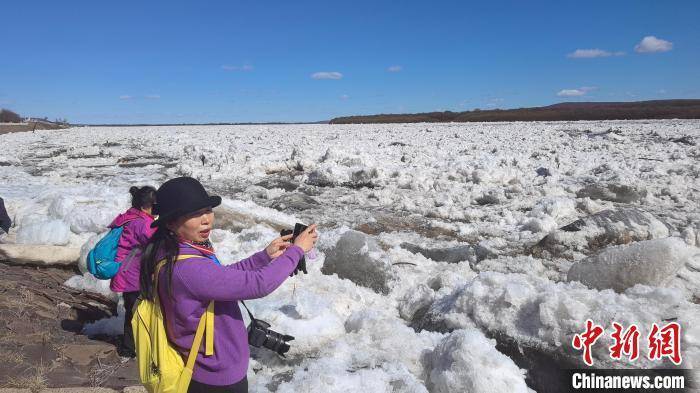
point(238, 387)
point(128, 341)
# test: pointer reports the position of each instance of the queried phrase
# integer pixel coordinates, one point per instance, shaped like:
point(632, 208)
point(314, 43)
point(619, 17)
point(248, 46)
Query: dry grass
point(12, 357)
point(102, 372)
point(8, 336)
point(35, 380)
point(20, 305)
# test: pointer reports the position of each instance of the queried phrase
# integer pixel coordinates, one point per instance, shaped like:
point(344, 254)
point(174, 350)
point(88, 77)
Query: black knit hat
point(180, 196)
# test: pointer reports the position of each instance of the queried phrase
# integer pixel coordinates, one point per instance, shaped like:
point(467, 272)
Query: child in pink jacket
point(137, 231)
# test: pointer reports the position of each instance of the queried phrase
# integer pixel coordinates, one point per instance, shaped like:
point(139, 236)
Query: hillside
point(659, 109)
point(12, 122)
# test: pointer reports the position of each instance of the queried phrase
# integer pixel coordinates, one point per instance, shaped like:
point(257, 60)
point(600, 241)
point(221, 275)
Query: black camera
point(298, 228)
point(260, 335)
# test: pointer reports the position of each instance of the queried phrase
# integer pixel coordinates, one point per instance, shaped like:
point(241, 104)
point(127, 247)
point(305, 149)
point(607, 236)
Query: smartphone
point(298, 229)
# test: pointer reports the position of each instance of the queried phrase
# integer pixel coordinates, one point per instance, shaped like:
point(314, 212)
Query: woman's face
point(195, 226)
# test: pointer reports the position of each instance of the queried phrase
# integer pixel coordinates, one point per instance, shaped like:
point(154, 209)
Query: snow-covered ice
point(469, 233)
point(649, 262)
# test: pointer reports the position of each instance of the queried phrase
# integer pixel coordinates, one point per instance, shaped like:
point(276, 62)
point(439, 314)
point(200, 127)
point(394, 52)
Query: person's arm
point(253, 262)
point(208, 281)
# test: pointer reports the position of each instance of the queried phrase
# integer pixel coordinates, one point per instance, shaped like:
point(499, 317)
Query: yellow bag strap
point(203, 321)
point(209, 342)
point(206, 322)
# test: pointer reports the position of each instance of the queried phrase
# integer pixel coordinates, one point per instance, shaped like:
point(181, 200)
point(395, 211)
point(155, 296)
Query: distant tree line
point(7, 116)
point(660, 109)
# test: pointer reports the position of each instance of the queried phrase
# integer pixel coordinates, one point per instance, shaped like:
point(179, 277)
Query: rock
point(599, 230)
point(471, 253)
point(613, 193)
point(294, 201)
point(651, 262)
point(544, 172)
point(487, 199)
point(356, 258)
point(26, 254)
point(401, 221)
point(83, 355)
point(686, 140)
point(275, 182)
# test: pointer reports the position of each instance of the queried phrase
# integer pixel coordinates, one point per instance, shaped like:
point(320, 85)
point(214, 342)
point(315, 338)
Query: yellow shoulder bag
point(161, 368)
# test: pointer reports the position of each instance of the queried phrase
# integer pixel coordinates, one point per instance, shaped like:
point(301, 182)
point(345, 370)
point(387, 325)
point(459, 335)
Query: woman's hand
point(277, 246)
point(307, 239)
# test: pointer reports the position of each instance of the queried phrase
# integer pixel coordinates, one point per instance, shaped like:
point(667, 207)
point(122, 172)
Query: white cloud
point(592, 53)
point(125, 97)
point(327, 75)
point(244, 68)
point(395, 68)
point(153, 96)
point(581, 91)
point(651, 44)
point(344, 97)
point(571, 93)
point(662, 91)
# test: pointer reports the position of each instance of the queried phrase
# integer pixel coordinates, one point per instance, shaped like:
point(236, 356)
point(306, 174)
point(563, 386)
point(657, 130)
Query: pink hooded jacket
point(137, 231)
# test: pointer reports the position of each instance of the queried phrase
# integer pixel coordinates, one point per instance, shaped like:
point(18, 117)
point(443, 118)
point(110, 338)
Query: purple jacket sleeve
point(208, 281)
point(254, 262)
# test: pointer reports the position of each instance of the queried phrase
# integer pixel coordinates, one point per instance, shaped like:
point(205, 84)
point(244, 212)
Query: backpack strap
point(206, 322)
point(122, 224)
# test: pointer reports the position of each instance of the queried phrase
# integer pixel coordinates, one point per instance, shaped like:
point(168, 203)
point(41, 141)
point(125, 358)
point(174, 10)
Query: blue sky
point(238, 61)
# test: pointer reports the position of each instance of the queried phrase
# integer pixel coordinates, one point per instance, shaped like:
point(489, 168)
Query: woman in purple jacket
point(186, 287)
point(137, 231)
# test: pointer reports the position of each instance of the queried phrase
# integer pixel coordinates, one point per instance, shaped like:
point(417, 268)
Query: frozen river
point(446, 249)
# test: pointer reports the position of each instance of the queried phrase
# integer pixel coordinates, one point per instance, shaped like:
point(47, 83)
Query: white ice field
point(441, 265)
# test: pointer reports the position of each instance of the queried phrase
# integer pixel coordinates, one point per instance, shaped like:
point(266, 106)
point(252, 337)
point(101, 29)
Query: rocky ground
point(40, 322)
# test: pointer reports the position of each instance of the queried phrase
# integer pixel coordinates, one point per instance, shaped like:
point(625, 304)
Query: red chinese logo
point(665, 342)
point(586, 340)
point(627, 344)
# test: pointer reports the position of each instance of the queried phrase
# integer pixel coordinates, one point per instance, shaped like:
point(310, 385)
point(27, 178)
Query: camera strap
point(250, 314)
